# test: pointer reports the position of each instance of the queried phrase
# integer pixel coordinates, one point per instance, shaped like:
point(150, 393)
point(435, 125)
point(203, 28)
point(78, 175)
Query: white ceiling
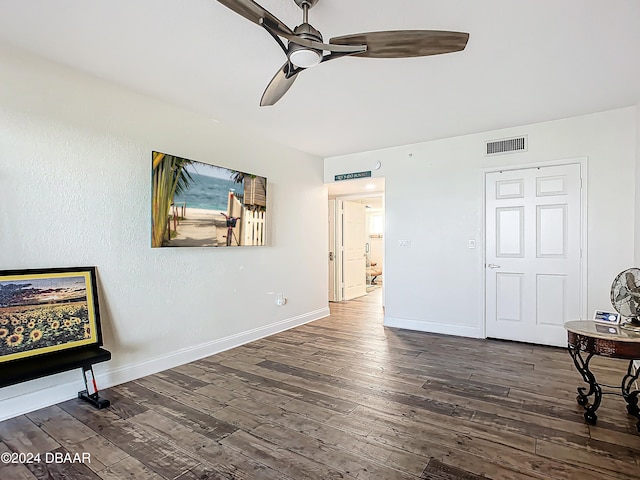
point(526, 61)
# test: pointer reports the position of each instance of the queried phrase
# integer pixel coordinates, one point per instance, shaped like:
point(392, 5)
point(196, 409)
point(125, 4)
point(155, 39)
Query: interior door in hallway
point(533, 253)
point(354, 265)
point(333, 293)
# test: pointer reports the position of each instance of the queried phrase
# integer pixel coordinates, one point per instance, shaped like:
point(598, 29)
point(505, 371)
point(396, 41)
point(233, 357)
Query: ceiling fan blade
point(405, 43)
point(255, 13)
point(279, 85)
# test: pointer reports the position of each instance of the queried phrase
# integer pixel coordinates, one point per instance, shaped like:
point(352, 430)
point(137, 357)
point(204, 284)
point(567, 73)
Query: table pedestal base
point(594, 389)
point(591, 405)
point(631, 396)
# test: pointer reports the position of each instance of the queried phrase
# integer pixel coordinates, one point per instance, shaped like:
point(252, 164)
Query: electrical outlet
point(472, 244)
point(404, 243)
point(281, 300)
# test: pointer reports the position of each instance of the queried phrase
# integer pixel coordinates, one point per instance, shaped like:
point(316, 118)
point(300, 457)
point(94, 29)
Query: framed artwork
point(196, 204)
point(47, 310)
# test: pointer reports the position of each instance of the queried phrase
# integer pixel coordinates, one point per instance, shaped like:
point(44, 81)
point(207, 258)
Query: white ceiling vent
point(507, 145)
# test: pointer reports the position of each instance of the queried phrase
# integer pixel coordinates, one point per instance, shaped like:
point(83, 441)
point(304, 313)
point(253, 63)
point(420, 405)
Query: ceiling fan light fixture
point(301, 56)
point(304, 57)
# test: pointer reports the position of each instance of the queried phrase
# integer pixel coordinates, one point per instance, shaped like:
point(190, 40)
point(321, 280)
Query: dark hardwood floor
point(342, 397)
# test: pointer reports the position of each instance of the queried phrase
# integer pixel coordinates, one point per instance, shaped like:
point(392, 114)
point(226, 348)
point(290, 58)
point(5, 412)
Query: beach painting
point(196, 204)
point(43, 311)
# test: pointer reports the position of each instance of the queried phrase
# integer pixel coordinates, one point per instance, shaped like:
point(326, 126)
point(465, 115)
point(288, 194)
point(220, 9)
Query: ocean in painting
point(208, 192)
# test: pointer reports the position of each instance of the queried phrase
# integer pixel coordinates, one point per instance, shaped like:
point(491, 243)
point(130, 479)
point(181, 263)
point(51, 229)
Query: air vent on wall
point(507, 145)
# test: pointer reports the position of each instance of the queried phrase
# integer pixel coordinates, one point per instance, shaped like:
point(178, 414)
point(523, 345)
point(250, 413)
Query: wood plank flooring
point(342, 397)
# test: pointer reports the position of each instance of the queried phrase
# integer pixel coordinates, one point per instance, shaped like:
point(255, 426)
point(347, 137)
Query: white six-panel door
point(533, 253)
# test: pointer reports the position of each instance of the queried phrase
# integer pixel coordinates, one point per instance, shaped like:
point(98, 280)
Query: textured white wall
point(637, 216)
point(75, 156)
point(434, 198)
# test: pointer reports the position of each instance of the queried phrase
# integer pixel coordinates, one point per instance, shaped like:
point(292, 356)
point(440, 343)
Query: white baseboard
point(186, 355)
point(433, 327)
point(28, 402)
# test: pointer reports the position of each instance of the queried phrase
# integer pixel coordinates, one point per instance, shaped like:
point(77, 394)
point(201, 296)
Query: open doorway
point(356, 240)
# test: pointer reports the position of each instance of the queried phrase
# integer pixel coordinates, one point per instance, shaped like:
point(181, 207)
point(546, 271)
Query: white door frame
point(338, 233)
point(332, 254)
point(583, 161)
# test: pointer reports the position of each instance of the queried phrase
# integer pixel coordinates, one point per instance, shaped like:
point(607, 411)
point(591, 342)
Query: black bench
point(22, 370)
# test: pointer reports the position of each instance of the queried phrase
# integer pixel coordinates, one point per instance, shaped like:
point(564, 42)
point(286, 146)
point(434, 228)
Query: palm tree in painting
point(255, 187)
point(237, 176)
point(169, 178)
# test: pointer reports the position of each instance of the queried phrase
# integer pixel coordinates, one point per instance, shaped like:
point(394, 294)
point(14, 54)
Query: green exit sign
point(351, 176)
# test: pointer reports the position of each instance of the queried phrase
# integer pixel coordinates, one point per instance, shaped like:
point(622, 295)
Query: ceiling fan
point(305, 47)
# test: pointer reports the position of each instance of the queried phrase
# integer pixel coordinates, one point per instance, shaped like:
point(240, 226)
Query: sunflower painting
point(43, 311)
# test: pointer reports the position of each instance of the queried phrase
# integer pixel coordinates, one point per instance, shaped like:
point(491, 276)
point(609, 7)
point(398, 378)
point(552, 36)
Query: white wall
point(75, 170)
point(637, 216)
point(434, 198)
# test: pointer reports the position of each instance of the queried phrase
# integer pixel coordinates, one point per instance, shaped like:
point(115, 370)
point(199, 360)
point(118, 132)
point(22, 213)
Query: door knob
point(493, 265)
